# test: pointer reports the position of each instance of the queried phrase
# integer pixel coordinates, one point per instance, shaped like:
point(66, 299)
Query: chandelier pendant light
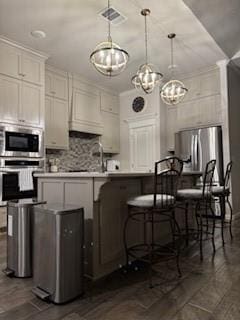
point(173, 91)
point(146, 78)
point(108, 57)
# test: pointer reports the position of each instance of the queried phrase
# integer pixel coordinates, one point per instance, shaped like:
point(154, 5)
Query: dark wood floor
point(209, 291)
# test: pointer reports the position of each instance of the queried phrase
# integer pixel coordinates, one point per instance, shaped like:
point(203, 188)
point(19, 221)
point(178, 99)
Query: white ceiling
point(74, 28)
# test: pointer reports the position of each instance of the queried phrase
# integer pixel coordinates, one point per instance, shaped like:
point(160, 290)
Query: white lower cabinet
point(142, 146)
point(111, 132)
point(56, 123)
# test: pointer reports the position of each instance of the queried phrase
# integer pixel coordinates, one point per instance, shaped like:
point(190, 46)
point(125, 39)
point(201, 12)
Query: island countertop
point(117, 174)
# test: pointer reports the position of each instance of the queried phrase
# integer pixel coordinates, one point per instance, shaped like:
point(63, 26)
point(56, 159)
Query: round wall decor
point(138, 104)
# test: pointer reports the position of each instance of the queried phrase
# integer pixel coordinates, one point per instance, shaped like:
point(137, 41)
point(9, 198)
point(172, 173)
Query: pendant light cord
point(109, 27)
point(172, 57)
point(146, 40)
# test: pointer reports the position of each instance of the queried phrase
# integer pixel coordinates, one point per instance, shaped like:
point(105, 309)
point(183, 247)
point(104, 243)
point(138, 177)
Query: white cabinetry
point(111, 132)
point(142, 145)
point(21, 85)
point(201, 106)
point(56, 123)
point(85, 109)
point(56, 85)
point(109, 103)
point(56, 109)
point(171, 127)
point(111, 124)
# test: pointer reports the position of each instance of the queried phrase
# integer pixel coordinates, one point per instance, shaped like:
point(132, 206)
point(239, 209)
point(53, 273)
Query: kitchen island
point(103, 196)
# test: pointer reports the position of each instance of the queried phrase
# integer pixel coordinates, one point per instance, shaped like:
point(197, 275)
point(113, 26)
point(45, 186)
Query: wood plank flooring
point(208, 290)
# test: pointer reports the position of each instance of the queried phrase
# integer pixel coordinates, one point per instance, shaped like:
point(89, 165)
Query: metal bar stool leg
point(186, 224)
point(231, 214)
point(213, 229)
point(125, 239)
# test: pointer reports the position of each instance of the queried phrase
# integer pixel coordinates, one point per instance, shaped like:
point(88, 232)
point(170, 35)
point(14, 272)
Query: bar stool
point(202, 201)
point(153, 210)
point(222, 194)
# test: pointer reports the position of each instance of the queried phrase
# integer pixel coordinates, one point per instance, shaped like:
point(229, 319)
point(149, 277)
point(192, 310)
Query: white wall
point(151, 110)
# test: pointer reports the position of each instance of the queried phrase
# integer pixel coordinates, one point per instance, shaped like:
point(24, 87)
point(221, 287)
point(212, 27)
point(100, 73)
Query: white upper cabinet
point(56, 85)
point(9, 60)
point(56, 123)
point(22, 85)
point(109, 102)
point(111, 132)
point(85, 109)
point(10, 92)
point(32, 105)
point(202, 85)
point(31, 69)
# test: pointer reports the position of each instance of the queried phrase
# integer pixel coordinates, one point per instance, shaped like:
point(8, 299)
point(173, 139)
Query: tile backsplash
point(81, 155)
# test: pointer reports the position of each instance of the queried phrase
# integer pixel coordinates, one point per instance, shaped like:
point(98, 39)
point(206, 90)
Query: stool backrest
point(227, 175)
point(166, 179)
point(208, 178)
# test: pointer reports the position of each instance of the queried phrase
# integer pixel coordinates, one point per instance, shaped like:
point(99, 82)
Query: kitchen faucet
point(100, 149)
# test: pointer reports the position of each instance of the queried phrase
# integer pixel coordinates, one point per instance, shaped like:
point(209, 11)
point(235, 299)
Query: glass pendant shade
point(109, 59)
point(146, 79)
point(173, 92)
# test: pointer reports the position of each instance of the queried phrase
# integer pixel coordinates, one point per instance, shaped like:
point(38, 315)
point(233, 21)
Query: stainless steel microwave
point(18, 141)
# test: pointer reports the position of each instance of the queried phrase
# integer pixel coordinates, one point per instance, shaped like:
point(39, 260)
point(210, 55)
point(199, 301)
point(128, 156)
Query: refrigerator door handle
point(192, 151)
point(195, 152)
point(200, 153)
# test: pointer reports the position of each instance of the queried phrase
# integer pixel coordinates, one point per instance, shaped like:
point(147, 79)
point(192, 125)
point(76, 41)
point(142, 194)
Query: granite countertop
point(103, 174)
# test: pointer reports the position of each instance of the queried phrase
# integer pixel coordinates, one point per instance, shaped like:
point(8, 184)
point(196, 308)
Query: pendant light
point(146, 78)
point(173, 91)
point(108, 58)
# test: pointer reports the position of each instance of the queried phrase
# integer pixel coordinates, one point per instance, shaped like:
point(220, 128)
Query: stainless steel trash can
point(58, 252)
point(19, 237)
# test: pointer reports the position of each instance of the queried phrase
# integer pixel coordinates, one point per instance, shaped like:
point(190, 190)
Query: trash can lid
point(24, 202)
point(58, 208)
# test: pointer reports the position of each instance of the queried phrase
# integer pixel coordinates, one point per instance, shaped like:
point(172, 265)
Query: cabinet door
point(142, 148)
point(109, 103)
point(193, 86)
point(32, 69)
point(172, 127)
point(51, 191)
point(60, 123)
point(111, 132)
point(56, 123)
point(48, 122)
point(10, 97)
point(209, 110)
point(60, 87)
point(86, 115)
point(9, 60)
point(56, 85)
point(210, 83)
point(49, 84)
point(31, 110)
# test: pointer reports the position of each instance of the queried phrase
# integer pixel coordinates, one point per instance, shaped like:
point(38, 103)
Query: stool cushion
point(193, 194)
point(219, 190)
point(146, 201)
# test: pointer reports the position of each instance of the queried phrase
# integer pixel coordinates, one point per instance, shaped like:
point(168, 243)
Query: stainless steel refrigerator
point(198, 146)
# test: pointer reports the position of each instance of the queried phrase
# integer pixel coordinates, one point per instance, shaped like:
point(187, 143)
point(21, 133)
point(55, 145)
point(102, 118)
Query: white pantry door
point(142, 147)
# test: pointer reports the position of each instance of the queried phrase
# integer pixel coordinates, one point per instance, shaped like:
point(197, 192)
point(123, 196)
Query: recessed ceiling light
point(39, 34)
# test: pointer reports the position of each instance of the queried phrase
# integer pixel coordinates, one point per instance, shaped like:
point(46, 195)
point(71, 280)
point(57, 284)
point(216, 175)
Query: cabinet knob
point(53, 142)
point(21, 120)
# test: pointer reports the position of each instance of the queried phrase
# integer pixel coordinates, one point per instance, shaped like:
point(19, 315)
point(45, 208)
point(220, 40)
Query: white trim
point(152, 116)
point(25, 48)
point(197, 72)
